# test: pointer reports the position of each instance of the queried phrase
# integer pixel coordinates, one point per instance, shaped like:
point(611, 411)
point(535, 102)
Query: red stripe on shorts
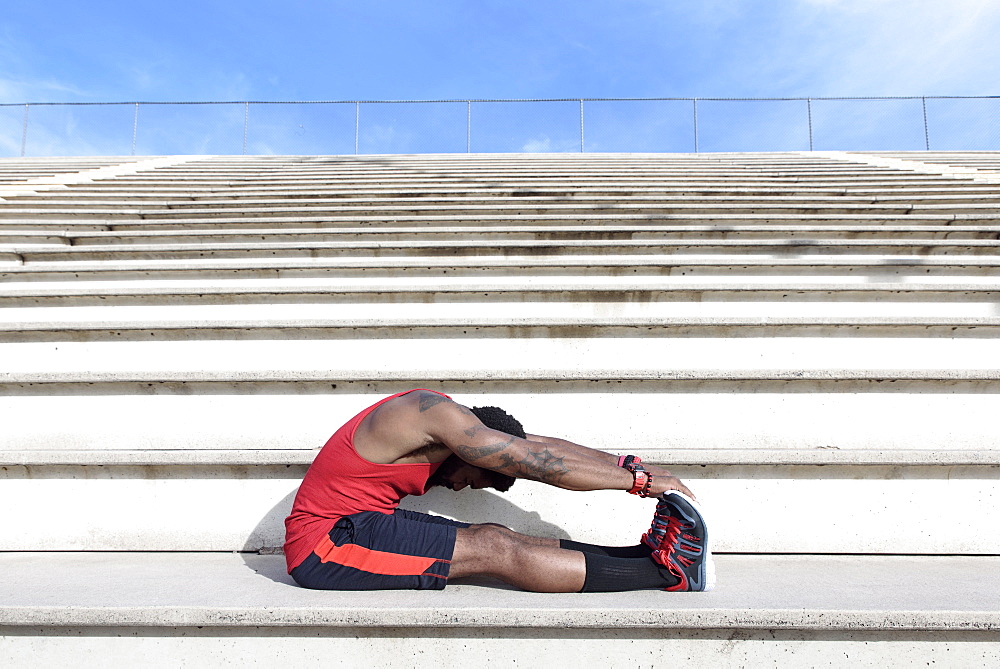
point(372, 561)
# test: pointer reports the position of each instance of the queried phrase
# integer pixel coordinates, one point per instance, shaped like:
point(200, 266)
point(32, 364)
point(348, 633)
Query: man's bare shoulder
point(412, 403)
point(400, 427)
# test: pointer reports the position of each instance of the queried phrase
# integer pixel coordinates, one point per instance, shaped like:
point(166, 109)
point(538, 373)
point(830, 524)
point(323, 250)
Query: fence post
point(695, 100)
point(927, 136)
point(468, 126)
point(246, 121)
point(24, 131)
point(357, 121)
point(581, 126)
point(809, 109)
point(135, 126)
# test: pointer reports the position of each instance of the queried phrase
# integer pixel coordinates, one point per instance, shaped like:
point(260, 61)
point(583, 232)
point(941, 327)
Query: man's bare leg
point(530, 563)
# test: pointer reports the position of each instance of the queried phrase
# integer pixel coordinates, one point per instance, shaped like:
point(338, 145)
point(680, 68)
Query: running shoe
point(679, 539)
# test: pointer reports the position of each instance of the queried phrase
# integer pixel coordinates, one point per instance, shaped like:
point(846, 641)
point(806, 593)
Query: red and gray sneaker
point(679, 539)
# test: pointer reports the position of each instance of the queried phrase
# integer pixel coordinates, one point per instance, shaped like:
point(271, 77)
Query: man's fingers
point(675, 484)
point(669, 481)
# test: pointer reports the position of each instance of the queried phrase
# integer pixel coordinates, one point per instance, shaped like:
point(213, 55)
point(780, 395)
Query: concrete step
point(976, 159)
point(342, 187)
point(479, 249)
point(500, 289)
point(447, 302)
point(650, 171)
point(56, 177)
point(490, 164)
point(385, 320)
point(386, 188)
point(802, 413)
point(748, 267)
point(224, 200)
point(636, 179)
point(488, 169)
point(286, 209)
point(478, 163)
point(488, 221)
point(45, 238)
point(445, 358)
point(783, 451)
point(893, 507)
point(165, 610)
point(17, 171)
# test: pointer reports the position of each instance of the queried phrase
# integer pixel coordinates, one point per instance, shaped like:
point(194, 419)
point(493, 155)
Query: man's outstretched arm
point(554, 461)
point(584, 450)
point(655, 470)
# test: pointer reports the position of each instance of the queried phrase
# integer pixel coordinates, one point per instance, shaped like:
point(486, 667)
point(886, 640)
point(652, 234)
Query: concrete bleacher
point(809, 340)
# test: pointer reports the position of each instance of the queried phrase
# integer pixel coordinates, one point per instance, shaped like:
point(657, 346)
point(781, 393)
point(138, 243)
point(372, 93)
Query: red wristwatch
point(622, 459)
point(642, 481)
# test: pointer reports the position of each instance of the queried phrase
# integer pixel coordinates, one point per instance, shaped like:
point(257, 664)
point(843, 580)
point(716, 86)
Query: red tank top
point(340, 482)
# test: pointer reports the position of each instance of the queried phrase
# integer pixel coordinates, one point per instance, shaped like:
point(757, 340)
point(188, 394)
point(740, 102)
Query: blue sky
point(62, 51)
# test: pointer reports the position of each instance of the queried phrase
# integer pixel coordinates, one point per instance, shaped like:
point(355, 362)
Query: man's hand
point(664, 481)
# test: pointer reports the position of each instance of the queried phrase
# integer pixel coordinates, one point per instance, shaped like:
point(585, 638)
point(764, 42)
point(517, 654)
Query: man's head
point(455, 473)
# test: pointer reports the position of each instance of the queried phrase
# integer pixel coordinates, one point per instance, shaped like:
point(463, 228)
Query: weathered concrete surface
point(809, 338)
point(611, 414)
point(245, 590)
point(85, 172)
point(916, 161)
point(460, 648)
point(557, 358)
point(808, 508)
point(387, 313)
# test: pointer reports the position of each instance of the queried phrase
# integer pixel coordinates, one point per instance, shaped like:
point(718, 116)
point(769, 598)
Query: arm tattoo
point(537, 465)
point(472, 453)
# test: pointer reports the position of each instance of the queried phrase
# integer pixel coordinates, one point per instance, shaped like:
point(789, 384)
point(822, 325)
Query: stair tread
point(246, 590)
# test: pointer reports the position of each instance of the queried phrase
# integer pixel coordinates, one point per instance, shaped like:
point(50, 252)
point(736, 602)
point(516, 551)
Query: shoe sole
point(708, 563)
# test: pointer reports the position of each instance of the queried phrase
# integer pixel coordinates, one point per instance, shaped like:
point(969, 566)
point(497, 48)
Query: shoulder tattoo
point(428, 400)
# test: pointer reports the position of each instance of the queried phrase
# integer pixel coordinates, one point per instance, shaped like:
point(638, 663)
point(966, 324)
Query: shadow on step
point(471, 506)
point(483, 506)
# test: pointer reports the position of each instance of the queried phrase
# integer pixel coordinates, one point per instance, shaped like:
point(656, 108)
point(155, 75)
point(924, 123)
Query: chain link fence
point(501, 126)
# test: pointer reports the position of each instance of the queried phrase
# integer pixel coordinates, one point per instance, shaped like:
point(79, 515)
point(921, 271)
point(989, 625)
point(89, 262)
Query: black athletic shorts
point(406, 550)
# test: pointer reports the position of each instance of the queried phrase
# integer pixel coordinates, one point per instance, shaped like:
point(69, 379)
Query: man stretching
point(345, 532)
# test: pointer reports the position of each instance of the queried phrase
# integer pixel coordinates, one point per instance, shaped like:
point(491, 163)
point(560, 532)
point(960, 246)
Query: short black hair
point(497, 419)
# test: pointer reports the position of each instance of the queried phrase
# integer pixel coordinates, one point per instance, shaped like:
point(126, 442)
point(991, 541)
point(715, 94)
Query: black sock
point(612, 574)
point(640, 550)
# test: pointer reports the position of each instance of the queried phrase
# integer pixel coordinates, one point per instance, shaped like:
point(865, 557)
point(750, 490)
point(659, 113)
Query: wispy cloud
point(544, 144)
point(17, 84)
point(823, 47)
point(864, 47)
point(540, 145)
point(37, 90)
